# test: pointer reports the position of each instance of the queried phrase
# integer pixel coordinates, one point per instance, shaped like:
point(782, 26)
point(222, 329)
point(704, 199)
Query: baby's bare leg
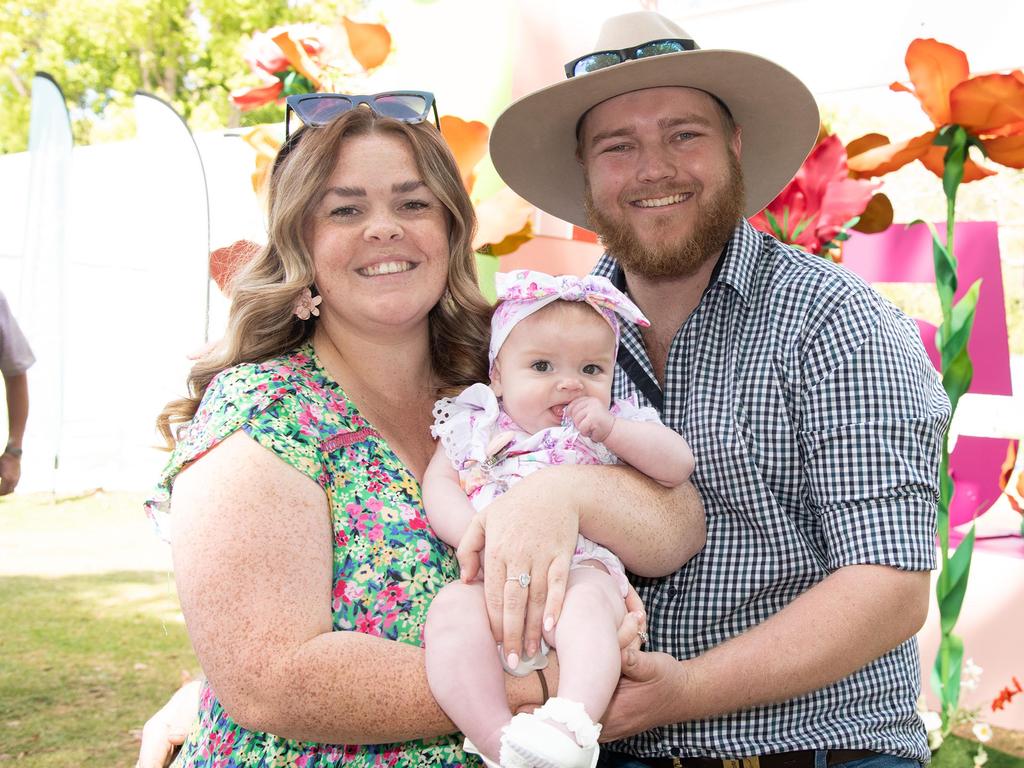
point(586, 639)
point(463, 667)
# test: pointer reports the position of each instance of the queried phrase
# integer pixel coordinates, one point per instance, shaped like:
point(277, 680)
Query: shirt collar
point(735, 267)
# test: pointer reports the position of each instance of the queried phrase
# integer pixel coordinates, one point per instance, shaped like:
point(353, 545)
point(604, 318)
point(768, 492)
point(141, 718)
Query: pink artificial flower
point(307, 304)
point(814, 207)
point(263, 53)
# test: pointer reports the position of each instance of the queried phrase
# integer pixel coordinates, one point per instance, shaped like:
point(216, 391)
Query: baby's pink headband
point(524, 291)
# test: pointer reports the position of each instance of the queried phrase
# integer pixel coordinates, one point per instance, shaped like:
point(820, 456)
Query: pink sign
point(903, 254)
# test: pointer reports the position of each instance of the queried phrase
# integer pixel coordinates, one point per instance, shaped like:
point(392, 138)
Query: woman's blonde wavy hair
point(261, 324)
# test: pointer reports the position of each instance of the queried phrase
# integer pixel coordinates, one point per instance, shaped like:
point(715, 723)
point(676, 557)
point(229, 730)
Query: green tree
point(100, 52)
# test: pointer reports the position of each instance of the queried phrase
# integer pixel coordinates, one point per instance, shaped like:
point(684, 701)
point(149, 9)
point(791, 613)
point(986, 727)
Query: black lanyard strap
point(636, 373)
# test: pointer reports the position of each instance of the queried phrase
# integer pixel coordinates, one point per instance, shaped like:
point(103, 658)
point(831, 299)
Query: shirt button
point(671, 591)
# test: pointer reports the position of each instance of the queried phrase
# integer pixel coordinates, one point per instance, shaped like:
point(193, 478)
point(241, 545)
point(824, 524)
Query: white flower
point(982, 732)
point(970, 675)
point(934, 740)
point(932, 721)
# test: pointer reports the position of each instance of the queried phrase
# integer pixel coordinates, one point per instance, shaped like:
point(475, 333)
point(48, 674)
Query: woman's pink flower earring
point(307, 305)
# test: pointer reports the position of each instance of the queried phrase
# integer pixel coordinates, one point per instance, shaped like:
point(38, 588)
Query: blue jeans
point(609, 759)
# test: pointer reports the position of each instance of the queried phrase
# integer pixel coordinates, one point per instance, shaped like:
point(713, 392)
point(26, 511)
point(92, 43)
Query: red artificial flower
point(820, 201)
point(251, 98)
point(1006, 695)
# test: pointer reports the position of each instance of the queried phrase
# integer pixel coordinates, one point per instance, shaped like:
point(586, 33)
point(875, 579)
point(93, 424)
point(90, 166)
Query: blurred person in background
point(15, 359)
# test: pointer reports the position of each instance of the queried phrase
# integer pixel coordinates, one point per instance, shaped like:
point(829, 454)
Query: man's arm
point(854, 616)
point(17, 416)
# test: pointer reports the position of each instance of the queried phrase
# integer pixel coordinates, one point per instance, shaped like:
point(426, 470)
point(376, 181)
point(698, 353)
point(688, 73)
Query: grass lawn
point(92, 642)
point(90, 628)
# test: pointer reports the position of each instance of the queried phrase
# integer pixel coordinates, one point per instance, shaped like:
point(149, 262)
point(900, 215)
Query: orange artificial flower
point(467, 139)
point(504, 216)
point(989, 107)
point(225, 262)
point(370, 43)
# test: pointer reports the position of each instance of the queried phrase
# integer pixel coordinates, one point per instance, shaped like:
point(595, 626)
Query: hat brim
point(533, 143)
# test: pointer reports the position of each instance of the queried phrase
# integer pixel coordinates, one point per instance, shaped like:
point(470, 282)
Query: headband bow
point(523, 292)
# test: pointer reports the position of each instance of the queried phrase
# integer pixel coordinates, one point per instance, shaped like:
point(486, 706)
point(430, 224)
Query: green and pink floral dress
point(388, 563)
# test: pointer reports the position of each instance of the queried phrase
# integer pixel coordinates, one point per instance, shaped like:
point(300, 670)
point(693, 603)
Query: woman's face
point(379, 239)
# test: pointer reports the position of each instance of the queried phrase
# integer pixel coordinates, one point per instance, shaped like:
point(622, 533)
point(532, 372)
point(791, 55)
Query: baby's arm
point(648, 446)
point(448, 510)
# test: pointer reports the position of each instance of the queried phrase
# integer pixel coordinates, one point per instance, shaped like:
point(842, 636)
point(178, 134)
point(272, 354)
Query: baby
point(552, 355)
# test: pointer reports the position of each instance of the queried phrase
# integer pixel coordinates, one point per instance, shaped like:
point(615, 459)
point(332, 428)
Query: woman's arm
point(533, 527)
point(251, 541)
point(448, 510)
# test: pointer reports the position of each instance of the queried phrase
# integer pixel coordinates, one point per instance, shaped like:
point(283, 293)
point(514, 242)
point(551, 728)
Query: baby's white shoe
point(508, 758)
point(541, 745)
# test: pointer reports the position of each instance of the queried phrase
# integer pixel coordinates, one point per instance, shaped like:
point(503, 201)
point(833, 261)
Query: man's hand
point(651, 684)
point(10, 473)
point(591, 417)
point(530, 531)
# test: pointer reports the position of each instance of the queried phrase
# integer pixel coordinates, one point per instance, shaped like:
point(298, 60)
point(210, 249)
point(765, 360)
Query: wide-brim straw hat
point(533, 144)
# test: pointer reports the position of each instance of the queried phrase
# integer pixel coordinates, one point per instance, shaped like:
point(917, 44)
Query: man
point(813, 412)
point(15, 359)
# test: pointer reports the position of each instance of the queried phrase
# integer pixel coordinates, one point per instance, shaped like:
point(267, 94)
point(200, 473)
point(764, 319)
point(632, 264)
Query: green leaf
point(946, 675)
point(945, 499)
point(951, 594)
point(945, 136)
point(773, 222)
point(945, 270)
point(802, 226)
point(974, 141)
point(953, 163)
point(957, 378)
point(952, 342)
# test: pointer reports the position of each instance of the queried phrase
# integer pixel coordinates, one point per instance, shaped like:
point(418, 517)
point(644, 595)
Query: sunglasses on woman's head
point(321, 108)
point(602, 59)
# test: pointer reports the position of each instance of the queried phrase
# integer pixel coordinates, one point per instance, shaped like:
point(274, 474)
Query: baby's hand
point(591, 418)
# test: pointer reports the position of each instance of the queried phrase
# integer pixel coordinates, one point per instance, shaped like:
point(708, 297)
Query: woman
point(300, 549)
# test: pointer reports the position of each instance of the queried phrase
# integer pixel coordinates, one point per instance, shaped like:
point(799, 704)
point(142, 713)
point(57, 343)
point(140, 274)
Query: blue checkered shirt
point(816, 420)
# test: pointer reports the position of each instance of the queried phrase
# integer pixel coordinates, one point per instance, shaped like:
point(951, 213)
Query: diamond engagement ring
point(643, 637)
point(523, 579)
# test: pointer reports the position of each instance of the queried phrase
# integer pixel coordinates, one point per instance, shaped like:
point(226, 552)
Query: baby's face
point(560, 353)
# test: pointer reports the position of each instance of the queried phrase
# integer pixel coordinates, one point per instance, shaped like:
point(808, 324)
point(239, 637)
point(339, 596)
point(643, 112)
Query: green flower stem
point(957, 371)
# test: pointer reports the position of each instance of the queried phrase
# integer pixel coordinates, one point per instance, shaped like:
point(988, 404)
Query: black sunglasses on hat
point(594, 61)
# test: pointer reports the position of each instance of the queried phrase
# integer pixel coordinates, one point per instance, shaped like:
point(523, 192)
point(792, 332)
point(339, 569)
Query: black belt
point(802, 759)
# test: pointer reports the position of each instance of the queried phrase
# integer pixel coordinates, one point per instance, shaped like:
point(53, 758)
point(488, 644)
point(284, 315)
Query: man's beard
point(714, 223)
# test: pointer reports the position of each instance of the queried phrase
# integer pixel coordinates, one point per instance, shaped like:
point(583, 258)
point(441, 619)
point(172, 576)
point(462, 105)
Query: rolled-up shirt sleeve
point(872, 415)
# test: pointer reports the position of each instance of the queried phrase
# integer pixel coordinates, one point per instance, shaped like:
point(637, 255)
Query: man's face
point(664, 185)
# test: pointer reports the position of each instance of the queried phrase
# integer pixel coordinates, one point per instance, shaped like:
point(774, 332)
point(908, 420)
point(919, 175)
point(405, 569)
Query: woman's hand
point(167, 729)
point(531, 533)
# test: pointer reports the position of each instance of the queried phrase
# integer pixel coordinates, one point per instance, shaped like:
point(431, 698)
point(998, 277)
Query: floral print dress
point(388, 563)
